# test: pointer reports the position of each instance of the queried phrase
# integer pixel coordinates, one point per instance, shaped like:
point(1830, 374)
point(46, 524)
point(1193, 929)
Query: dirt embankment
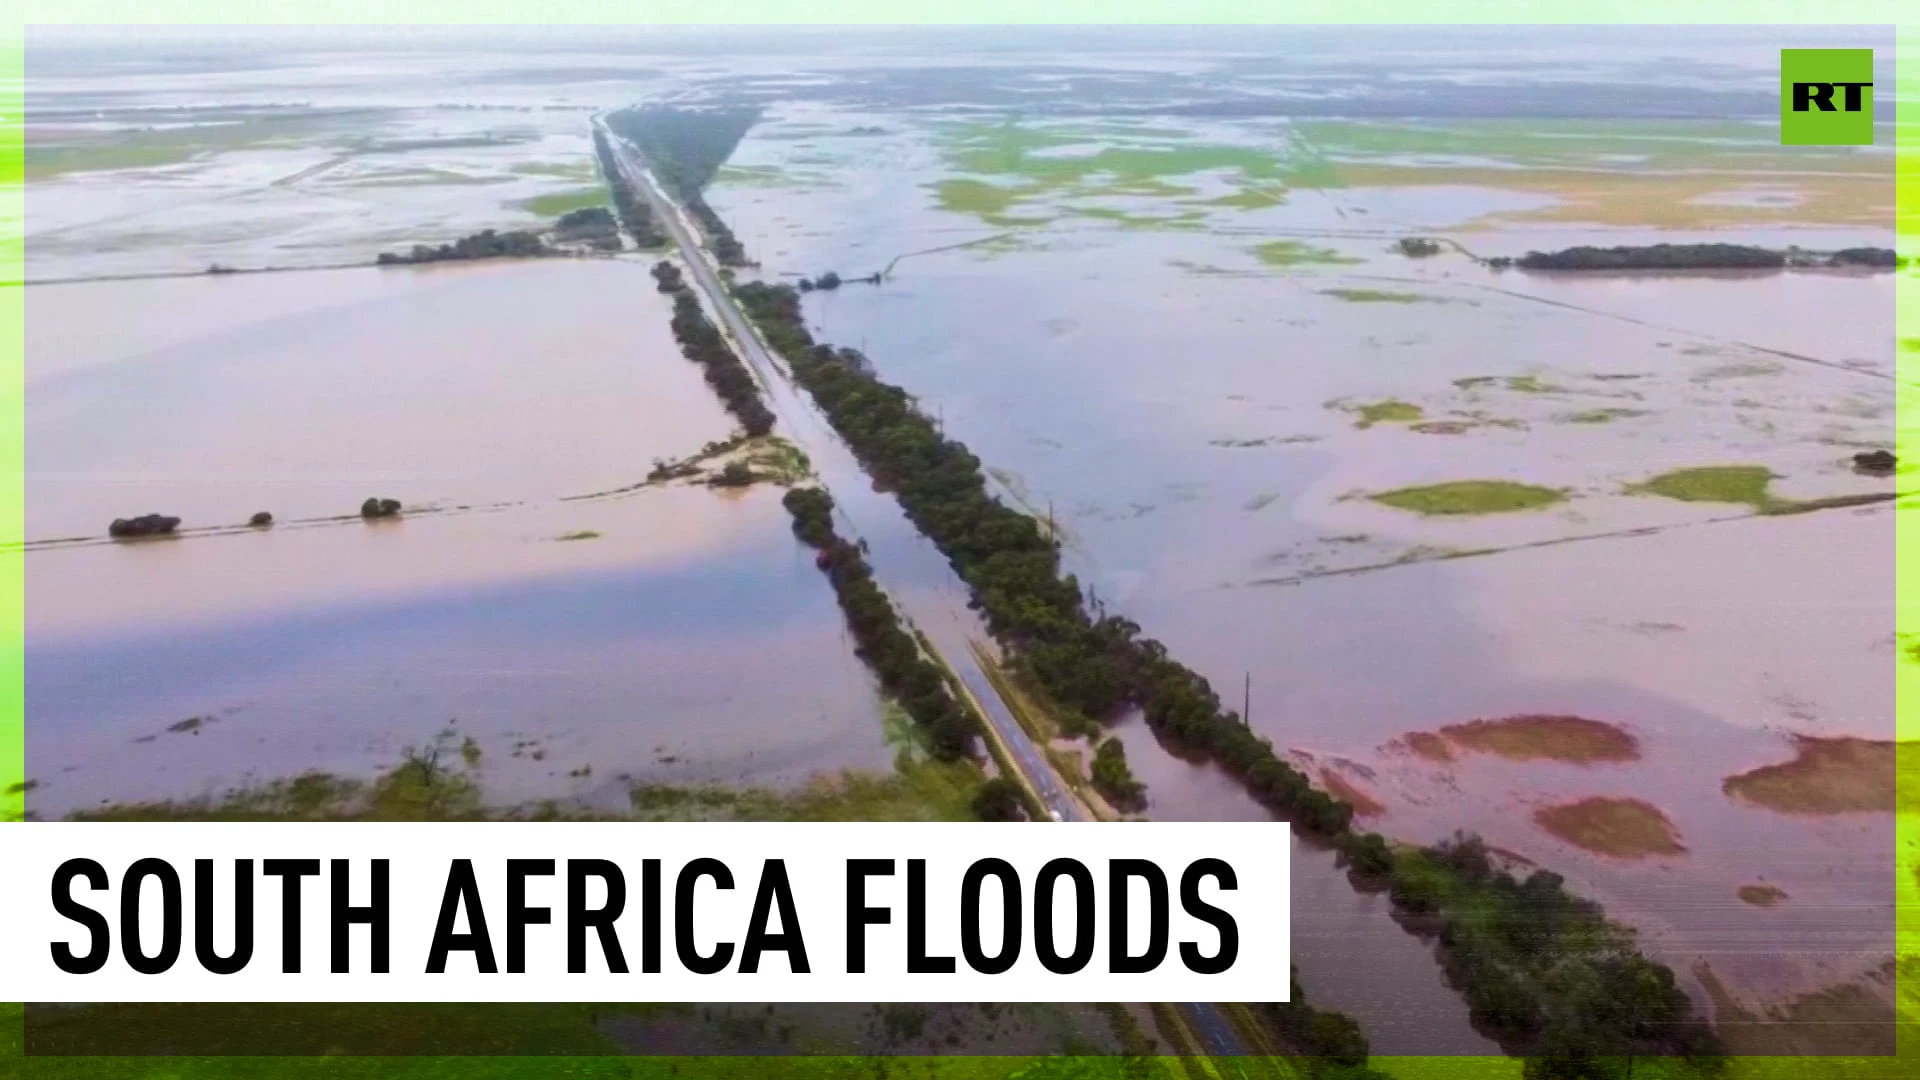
point(1829, 776)
point(1853, 1018)
point(1618, 828)
point(1364, 805)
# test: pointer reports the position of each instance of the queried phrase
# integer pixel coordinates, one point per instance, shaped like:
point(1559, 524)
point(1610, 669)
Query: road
point(798, 415)
point(793, 407)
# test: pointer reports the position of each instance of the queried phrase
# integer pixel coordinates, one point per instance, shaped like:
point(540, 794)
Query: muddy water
point(302, 394)
point(1343, 940)
point(1190, 417)
point(689, 640)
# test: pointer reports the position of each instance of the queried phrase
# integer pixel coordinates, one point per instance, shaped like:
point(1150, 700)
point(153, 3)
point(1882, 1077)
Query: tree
point(999, 799)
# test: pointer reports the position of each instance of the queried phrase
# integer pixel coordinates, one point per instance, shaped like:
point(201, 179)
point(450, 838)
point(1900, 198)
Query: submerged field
point(1578, 563)
point(1405, 495)
point(536, 600)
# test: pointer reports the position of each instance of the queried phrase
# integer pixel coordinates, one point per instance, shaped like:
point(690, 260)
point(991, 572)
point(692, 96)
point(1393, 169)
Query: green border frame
point(983, 12)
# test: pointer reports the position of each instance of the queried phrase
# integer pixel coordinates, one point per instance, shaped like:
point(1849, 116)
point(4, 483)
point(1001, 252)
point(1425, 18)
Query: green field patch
point(1134, 187)
point(1379, 296)
point(1390, 411)
point(1612, 144)
point(1599, 416)
point(989, 202)
point(1295, 253)
point(765, 176)
point(1458, 498)
point(46, 162)
point(579, 534)
point(404, 178)
point(1134, 163)
point(917, 791)
point(582, 170)
point(1127, 219)
point(66, 152)
point(1210, 270)
point(1744, 484)
point(1529, 384)
point(553, 204)
point(1252, 197)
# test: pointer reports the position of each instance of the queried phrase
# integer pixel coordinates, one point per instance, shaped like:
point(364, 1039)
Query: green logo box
point(1826, 97)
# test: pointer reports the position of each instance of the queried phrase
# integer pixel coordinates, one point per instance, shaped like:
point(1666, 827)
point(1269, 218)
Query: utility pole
point(1246, 702)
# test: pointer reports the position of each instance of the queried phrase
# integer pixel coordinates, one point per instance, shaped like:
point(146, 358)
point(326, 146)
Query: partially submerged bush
point(261, 518)
point(736, 474)
point(380, 508)
point(144, 525)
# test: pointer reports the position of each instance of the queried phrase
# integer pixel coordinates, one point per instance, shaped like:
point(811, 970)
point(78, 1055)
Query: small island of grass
point(1620, 828)
point(1390, 411)
point(1465, 497)
point(1295, 253)
point(1831, 775)
point(1743, 484)
point(1375, 296)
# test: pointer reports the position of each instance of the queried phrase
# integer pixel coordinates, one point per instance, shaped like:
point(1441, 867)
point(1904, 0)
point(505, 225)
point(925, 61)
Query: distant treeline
point(1698, 257)
point(593, 226)
point(1542, 970)
point(904, 671)
point(486, 244)
point(685, 148)
point(635, 213)
point(701, 342)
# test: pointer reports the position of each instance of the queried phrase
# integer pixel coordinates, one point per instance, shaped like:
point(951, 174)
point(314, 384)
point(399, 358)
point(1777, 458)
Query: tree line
point(485, 244)
point(893, 654)
point(1696, 257)
point(685, 148)
point(635, 213)
point(701, 342)
point(1100, 664)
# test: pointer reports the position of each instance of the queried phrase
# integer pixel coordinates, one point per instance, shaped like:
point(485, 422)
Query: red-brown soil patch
point(1826, 776)
point(1364, 805)
point(1762, 895)
point(1425, 744)
point(1574, 739)
point(1621, 828)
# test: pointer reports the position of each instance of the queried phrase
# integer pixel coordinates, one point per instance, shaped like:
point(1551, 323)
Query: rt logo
point(1826, 97)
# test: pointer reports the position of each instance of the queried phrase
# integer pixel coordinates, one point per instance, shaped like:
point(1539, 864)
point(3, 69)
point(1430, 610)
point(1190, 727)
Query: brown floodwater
point(680, 635)
point(302, 394)
point(1195, 423)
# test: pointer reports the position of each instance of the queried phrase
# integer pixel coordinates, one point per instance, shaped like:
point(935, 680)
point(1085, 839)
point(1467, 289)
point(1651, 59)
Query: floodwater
point(302, 394)
point(1193, 420)
point(690, 640)
point(1186, 408)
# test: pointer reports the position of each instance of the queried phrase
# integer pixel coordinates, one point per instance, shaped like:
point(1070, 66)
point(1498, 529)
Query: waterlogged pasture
point(1406, 493)
point(582, 628)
